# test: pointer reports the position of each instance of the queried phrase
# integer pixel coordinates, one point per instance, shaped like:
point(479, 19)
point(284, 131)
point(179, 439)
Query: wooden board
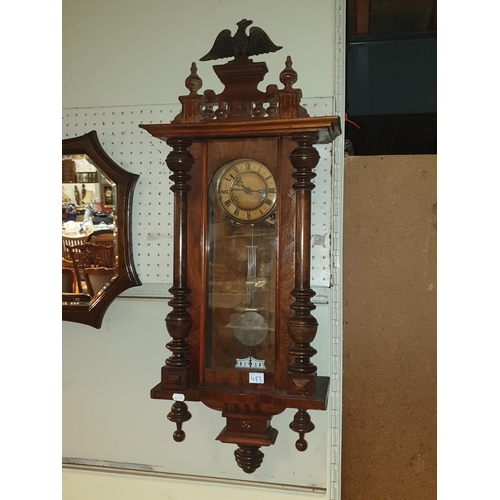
point(389, 304)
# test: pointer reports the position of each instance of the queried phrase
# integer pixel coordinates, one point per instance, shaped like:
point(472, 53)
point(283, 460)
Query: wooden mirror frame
point(92, 313)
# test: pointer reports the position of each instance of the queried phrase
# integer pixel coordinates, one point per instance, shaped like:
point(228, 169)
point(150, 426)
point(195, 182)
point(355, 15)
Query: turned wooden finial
point(193, 82)
point(179, 414)
point(301, 424)
point(288, 76)
point(248, 458)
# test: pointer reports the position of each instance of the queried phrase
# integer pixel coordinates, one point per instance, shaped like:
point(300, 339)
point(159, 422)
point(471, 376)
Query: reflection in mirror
point(97, 262)
point(89, 216)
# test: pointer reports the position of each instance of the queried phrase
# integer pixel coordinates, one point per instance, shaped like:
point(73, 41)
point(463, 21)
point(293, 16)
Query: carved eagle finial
point(241, 46)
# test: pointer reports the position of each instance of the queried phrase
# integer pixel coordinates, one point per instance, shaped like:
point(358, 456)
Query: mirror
point(97, 260)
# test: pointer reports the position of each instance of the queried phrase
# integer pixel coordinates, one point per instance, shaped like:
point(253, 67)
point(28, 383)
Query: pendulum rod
point(251, 274)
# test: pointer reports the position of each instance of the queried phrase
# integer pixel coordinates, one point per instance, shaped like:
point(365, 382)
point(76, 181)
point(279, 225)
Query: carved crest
point(241, 46)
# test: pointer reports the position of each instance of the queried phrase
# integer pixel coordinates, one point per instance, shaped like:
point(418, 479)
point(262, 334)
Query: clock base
point(248, 414)
point(249, 432)
point(247, 428)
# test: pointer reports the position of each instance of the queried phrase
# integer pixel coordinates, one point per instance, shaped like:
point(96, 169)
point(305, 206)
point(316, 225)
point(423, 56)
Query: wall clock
point(241, 322)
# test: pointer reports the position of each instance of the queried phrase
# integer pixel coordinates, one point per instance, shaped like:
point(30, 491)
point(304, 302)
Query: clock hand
point(239, 186)
point(248, 190)
point(260, 192)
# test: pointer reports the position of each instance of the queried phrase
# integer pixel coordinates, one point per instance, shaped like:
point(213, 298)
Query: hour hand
point(247, 190)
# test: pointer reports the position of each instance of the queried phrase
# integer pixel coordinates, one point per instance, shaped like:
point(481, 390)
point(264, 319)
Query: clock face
point(246, 190)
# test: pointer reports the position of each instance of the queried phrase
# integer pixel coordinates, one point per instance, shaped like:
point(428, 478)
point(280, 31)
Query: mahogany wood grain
point(271, 402)
point(327, 128)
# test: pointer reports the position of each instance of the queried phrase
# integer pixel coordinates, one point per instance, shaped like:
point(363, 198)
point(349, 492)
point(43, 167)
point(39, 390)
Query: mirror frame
point(92, 313)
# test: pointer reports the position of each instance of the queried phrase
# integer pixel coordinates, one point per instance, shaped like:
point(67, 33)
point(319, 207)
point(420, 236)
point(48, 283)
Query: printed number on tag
point(256, 378)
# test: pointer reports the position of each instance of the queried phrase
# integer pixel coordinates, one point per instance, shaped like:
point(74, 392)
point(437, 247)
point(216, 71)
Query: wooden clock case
point(273, 128)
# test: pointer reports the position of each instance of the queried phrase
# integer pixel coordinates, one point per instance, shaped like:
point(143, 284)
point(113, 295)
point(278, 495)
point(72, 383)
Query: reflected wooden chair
point(68, 264)
point(68, 280)
point(96, 278)
point(102, 236)
point(70, 241)
point(89, 255)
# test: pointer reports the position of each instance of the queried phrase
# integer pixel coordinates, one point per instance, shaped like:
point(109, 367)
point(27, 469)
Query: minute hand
point(248, 190)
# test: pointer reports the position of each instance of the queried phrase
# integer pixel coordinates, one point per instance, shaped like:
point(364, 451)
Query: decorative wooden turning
point(241, 322)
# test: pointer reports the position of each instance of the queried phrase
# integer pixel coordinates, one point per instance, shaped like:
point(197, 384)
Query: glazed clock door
point(241, 281)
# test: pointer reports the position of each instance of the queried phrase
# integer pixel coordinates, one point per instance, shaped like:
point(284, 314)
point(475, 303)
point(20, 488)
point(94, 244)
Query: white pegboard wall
point(322, 203)
point(137, 151)
point(322, 220)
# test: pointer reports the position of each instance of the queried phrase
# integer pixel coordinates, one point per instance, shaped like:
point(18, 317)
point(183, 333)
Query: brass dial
point(246, 190)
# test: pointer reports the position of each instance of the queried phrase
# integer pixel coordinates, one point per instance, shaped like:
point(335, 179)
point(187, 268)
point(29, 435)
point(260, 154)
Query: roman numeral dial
point(246, 190)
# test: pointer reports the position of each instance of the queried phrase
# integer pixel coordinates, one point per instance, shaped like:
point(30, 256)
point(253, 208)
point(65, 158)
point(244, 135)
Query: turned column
point(174, 373)
point(178, 320)
point(302, 325)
